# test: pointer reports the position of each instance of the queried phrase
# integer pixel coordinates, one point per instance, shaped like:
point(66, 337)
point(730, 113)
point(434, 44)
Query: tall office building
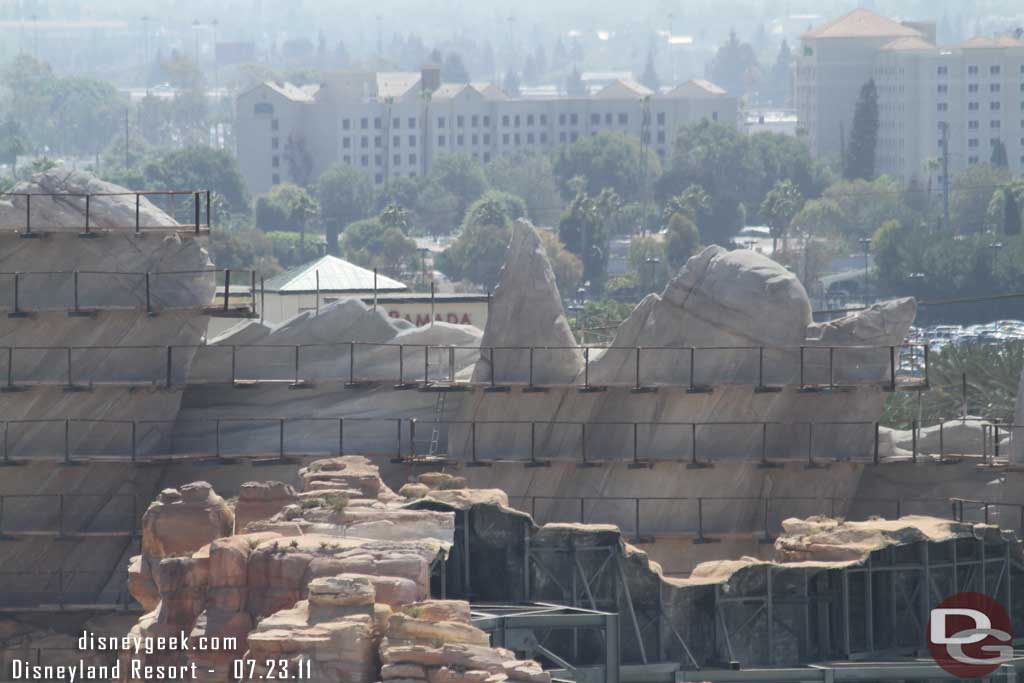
point(391, 125)
point(970, 94)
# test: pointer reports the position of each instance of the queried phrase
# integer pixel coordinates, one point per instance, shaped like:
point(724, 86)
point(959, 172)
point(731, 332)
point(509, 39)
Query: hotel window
point(993, 106)
point(971, 106)
point(473, 139)
point(412, 123)
point(573, 120)
point(543, 138)
point(943, 88)
point(273, 143)
point(275, 161)
point(543, 119)
point(396, 123)
point(487, 157)
point(561, 136)
point(377, 160)
point(529, 138)
point(595, 119)
point(942, 70)
point(561, 119)
point(347, 159)
point(398, 160)
point(440, 122)
point(973, 87)
point(345, 143)
point(661, 118)
point(942, 106)
point(459, 121)
point(623, 119)
point(972, 160)
point(474, 120)
point(515, 138)
point(504, 121)
point(972, 142)
point(972, 125)
point(376, 123)
point(377, 142)
point(274, 124)
point(487, 121)
point(364, 123)
point(994, 123)
point(365, 160)
point(345, 124)
point(459, 140)
point(972, 70)
point(487, 138)
point(529, 119)
point(412, 158)
point(365, 142)
point(573, 136)
point(275, 179)
point(993, 87)
point(412, 140)
point(994, 70)
point(504, 138)
point(608, 118)
point(661, 137)
point(440, 141)
point(516, 120)
point(378, 178)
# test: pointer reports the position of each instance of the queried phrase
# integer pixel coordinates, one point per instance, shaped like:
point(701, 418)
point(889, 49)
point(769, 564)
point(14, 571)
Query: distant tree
point(647, 260)
point(605, 160)
point(860, 152)
point(345, 195)
point(401, 191)
point(780, 85)
point(733, 66)
point(530, 176)
point(285, 207)
point(650, 76)
point(567, 266)
point(779, 207)
point(971, 195)
point(341, 56)
point(200, 167)
point(462, 176)
point(372, 243)
point(12, 142)
point(478, 253)
point(682, 240)
point(574, 86)
point(299, 159)
point(998, 158)
point(243, 250)
point(511, 83)
point(453, 70)
point(584, 228)
point(1011, 214)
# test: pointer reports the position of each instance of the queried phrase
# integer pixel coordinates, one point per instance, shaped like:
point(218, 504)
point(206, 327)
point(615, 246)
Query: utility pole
point(645, 134)
point(944, 126)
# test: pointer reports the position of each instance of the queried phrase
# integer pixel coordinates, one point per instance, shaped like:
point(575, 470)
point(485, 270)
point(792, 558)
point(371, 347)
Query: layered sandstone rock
point(261, 500)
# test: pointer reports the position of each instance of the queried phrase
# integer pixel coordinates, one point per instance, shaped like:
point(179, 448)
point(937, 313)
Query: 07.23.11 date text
point(272, 669)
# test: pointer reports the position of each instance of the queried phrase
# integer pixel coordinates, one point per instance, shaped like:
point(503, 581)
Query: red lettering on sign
point(465, 319)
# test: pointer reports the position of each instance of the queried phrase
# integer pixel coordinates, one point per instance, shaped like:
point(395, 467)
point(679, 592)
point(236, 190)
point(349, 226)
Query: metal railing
point(110, 515)
point(142, 291)
point(200, 200)
point(435, 367)
point(770, 512)
point(766, 442)
point(27, 588)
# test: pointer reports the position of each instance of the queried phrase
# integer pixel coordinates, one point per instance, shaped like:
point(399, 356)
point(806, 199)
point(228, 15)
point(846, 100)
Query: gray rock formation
point(720, 300)
point(526, 310)
point(67, 213)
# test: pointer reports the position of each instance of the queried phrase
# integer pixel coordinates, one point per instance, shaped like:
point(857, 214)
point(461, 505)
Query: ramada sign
point(970, 635)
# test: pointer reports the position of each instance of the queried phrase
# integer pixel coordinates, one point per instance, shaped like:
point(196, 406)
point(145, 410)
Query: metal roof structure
point(335, 275)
